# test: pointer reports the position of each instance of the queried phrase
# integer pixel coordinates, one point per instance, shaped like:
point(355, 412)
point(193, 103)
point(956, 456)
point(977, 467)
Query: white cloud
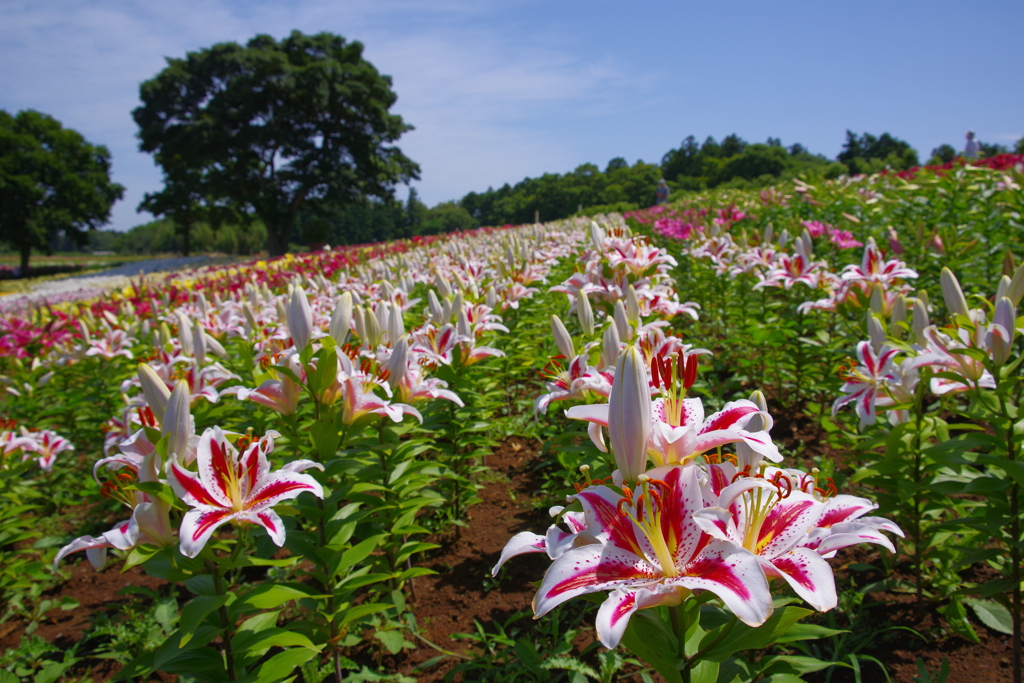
point(479, 92)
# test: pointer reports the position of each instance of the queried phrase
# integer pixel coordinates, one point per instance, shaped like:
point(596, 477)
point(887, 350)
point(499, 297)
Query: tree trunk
point(277, 244)
point(26, 251)
point(186, 245)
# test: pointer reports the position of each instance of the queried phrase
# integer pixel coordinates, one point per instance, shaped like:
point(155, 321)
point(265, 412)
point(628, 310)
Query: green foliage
point(271, 127)
point(869, 154)
point(51, 181)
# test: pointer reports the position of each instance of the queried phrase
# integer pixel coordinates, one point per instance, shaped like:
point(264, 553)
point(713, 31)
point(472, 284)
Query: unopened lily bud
point(632, 306)
point(177, 422)
point(165, 334)
point(1003, 287)
point(899, 312)
point(876, 333)
point(621, 321)
point(596, 236)
point(921, 321)
point(341, 319)
point(458, 302)
point(610, 346)
point(185, 334)
point(444, 288)
point(359, 319)
point(250, 319)
point(783, 238)
point(491, 298)
point(629, 414)
point(199, 345)
point(563, 340)
point(396, 325)
point(213, 346)
point(447, 311)
point(585, 314)
point(1016, 289)
point(282, 315)
point(145, 328)
point(877, 301)
point(952, 294)
point(462, 324)
point(398, 364)
point(372, 337)
point(1006, 315)
point(202, 305)
point(154, 390)
point(434, 308)
point(300, 319)
point(768, 234)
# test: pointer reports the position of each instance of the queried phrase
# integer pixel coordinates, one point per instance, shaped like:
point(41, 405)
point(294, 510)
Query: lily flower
point(651, 552)
point(235, 488)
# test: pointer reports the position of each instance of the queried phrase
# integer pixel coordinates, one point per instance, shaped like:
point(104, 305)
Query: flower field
point(748, 436)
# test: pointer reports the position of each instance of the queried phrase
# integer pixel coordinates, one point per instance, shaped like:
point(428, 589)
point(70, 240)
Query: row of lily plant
point(693, 523)
point(953, 482)
point(304, 431)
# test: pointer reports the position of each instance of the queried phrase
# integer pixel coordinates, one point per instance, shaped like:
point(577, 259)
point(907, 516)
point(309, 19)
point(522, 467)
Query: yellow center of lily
point(646, 513)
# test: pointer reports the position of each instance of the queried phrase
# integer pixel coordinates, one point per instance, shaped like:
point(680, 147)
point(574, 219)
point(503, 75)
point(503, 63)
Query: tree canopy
point(51, 181)
point(275, 128)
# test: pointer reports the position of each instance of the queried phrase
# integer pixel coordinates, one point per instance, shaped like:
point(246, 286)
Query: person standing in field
point(973, 147)
point(661, 194)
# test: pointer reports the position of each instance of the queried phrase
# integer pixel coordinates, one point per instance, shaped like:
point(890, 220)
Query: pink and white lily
point(235, 488)
point(651, 552)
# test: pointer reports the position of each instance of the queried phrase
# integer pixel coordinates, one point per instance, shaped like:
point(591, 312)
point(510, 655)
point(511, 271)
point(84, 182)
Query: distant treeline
point(693, 166)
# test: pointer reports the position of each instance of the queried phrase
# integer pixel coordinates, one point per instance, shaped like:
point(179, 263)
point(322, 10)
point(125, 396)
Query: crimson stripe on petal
point(193, 487)
point(713, 569)
point(208, 520)
point(277, 489)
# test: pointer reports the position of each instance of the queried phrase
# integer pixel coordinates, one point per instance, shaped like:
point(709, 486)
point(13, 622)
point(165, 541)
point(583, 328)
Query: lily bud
point(621, 321)
point(921, 321)
point(877, 301)
point(462, 323)
point(783, 238)
point(359, 318)
point(596, 236)
point(398, 364)
point(434, 308)
point(213, 346)
point(300, 319)
point(563, 340)
point(396, 325)
point(1016, 290)
point(444, 288)
point(876, 333)
point(202, 305)
point(610, 346)
point(632, 306)
point(199, 345)
point(154, 390)
point(585, 314)
point(899, 312)
point(1003, 287)
point(185, 334)
point(177, 422)
point(768, 234)
point(953, 295)
point(1005, 317)
point(491, 298)
point(165, 334)
point(372, 328)
point(250, 319)
point(629, 414)
point(341, 319)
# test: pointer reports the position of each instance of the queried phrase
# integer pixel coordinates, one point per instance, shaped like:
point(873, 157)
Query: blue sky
point(499, 91)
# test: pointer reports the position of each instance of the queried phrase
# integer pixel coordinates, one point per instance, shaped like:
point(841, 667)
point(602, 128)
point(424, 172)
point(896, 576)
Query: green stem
point(225, 620)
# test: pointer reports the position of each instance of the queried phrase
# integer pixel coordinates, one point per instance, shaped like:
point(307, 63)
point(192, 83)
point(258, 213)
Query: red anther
point(657, 498)
point(579, 487)
point(661, 483)
point(655, 373)
point(622, 501)
point(690, 374)
point(681, 366)
point(831, 491)
point(107, 489)
point(125, 478)
point(781, 482)
point(627, 495)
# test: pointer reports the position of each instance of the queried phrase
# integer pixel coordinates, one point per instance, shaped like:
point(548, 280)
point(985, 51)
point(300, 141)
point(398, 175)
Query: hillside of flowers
point(775, 437)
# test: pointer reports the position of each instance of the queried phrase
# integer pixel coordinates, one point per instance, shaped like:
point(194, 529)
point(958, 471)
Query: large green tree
point(51, 180)
point(274, 127)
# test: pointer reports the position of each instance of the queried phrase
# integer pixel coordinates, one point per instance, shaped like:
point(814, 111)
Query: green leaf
point(197, 609)
point(992, 614)
point(283, 663)
point(355, 555)
point(270, 596)
point(271, 637)
point(651, 639)
point(743, 637)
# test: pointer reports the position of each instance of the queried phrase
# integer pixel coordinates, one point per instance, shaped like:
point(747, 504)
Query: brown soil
point(458, 596)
